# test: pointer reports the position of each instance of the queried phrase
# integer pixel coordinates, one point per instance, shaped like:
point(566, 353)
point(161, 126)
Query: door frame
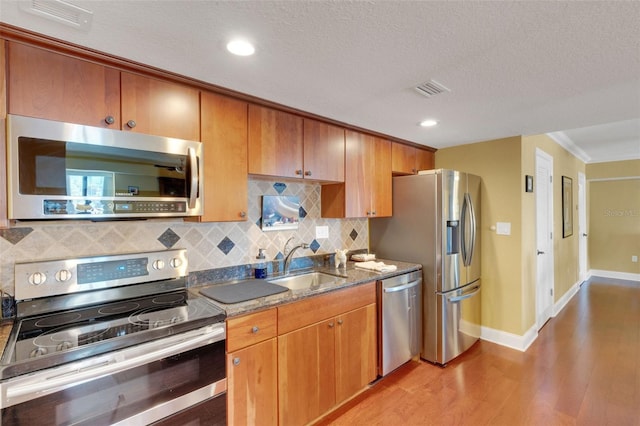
point(582, 227)
point(544, 252)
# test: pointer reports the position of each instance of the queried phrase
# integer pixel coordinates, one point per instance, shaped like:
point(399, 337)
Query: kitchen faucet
point(287, 259)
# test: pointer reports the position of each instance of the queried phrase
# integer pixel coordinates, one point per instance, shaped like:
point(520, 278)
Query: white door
point(544, 237)
point(582, 227)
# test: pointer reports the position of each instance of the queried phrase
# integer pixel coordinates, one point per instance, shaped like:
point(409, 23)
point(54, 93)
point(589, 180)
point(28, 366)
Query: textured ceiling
point(514, 68)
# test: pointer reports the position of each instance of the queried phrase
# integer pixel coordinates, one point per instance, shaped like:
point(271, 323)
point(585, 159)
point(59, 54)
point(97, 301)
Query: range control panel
point(56, 277)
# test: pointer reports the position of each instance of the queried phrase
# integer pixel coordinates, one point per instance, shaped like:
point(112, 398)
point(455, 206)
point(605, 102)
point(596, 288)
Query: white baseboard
point(510, 340)
point(560, 304)
point(613, 274)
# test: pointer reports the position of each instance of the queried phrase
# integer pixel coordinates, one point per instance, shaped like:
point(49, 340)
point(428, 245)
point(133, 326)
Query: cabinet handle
point(131, 124)
point(299, 172)
point(307, 173)
point(331, 325)
point(243, 214)
point(368, 213)
point(254, 329)
point(236, 361)
point(340, 322)
point(413, 171)
point(373, 213)
point(109, 119)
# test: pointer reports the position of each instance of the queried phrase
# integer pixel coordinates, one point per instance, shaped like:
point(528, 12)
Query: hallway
point(583, 369)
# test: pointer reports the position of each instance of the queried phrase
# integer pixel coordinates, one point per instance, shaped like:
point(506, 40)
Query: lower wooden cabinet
point(252, 389)
point(322, 365)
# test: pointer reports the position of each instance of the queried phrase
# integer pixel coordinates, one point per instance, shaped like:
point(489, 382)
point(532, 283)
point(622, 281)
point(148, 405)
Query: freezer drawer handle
point(402, 287)
point(474, 290)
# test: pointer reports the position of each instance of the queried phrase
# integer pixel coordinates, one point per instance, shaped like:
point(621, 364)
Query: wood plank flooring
point(583, 369)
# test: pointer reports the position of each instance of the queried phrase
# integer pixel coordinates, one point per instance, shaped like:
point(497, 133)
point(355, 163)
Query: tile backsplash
point(209, 245)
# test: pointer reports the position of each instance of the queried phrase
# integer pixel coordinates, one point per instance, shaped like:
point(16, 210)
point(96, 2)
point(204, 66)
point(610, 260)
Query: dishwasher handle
point(402, 287)
point(471, 293)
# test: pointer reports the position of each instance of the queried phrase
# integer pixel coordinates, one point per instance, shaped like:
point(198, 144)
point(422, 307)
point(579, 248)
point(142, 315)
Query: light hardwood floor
point(583, 369)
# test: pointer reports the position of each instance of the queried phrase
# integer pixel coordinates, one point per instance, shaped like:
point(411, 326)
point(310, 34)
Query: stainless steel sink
point(303, 281)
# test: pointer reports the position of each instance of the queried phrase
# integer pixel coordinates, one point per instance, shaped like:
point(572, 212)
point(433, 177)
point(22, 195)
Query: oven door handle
point(39, 384)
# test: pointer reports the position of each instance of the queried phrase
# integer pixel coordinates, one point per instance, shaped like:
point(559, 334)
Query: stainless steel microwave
point(59, 170)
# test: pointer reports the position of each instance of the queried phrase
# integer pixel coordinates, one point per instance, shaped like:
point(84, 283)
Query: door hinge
point(551, 179)
point(551, 291)
point(551, 235)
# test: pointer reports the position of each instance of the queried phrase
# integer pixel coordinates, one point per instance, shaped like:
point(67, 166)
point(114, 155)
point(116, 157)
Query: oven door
point(135, 386)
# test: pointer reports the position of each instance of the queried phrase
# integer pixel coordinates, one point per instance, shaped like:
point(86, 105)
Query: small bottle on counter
point(260, 269)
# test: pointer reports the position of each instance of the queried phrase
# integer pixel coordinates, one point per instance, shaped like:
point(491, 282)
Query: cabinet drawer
point(318, 308)
point(250, 329)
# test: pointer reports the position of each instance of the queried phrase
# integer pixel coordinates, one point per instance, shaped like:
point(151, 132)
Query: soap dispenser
point(260, 269)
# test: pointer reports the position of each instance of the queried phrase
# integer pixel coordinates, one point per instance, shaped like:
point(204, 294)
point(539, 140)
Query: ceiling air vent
point(431, 88)
point(59, 11)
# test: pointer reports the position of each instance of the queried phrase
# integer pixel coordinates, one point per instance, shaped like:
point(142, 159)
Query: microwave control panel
point(111, 207)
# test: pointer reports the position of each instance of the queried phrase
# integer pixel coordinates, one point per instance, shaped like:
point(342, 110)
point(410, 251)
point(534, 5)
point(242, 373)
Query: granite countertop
point(351, 276)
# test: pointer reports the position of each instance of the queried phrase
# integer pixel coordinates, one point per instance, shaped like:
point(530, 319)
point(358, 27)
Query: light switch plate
point(322, 232)
point(503, 228)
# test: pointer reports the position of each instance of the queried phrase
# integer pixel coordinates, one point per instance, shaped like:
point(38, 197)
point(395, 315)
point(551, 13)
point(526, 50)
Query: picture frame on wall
point(567, 206)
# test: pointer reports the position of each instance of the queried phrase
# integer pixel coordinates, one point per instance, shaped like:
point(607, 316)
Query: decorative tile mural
point(209, 245)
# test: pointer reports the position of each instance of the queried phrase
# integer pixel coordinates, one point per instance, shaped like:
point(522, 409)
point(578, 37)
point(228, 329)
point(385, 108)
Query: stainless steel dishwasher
point(399, 320)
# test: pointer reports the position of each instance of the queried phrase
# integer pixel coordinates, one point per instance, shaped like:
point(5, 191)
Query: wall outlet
point(503, 228)
point(634, 259)
point(322, 232)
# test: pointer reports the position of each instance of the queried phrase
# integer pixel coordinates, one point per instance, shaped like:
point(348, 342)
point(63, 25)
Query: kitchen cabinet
point(326, 352)
point(252, 369)
point(323, 151)
point(366, 191)
point(408, 160)
point(224, 139)
point(4, 221)
point(53, 86)
point(159, 107)
point(58, 87)
point(275, 144)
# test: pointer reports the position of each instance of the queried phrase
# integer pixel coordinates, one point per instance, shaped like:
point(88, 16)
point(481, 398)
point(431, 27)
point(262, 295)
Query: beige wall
point(614, 220)
point(509, 262)
point(498, 163)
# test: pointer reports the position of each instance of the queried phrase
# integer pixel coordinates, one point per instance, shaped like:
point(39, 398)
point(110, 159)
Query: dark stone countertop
point(351, 276)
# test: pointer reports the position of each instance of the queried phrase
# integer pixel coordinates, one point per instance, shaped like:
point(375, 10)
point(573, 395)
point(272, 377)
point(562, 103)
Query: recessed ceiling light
point(428, 123)
point(241, 47)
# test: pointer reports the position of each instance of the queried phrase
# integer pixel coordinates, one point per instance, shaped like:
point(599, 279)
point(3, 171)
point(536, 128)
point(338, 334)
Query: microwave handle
point(193, 168)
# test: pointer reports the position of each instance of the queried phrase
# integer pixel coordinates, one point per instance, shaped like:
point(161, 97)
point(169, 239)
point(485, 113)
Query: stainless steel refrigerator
point(435, 223)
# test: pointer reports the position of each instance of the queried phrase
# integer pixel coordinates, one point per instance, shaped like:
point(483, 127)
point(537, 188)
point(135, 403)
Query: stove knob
point(174, 320)
point(63, 275)
point(158, 264)
point(37, 352)
point(37, 278)
point(64, 346)
point(176, 262)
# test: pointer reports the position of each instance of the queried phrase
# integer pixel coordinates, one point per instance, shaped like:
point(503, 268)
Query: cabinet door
point(381, 178)
point(356, 358)
point(52, 86)
point(323, 151)
point(357, 176)
point(159, 107)
point(224, 138)
point(403, 159)
point(306, 373)
point(252, 385)
point(275, 143)
point(424, 160)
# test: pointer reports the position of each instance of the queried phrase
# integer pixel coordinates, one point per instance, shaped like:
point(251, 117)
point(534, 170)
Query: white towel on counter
point(363, 257)
point(375, 266)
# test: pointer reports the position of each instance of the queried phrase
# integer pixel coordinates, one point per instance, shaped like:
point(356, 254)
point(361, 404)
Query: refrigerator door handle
point(467, 209)
point(401, 287)
point(457, 299)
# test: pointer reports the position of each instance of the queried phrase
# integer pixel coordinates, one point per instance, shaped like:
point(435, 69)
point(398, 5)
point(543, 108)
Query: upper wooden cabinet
point(57, 87)
point(52, 86)
point(367, 188)
point(159, 107)
point(275, 143)
point(323, 151)
point(408, 160)
point(224, 139)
